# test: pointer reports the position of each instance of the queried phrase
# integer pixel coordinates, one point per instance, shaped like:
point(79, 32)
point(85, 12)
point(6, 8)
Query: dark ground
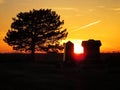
point(49, 73)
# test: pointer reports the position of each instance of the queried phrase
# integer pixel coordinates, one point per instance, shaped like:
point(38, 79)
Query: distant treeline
point(21, 57)
point(50, 57)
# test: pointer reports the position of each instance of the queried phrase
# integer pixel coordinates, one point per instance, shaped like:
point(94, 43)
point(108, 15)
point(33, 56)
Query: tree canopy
point(36, 30)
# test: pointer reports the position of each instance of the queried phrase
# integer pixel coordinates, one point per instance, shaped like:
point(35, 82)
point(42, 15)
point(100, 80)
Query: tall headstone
point(91, 49)
point(68, 51)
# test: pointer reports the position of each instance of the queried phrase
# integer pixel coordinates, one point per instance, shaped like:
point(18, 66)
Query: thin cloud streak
point(116, 9)
point(101, 6)
point(72, 9)
point(88, 25)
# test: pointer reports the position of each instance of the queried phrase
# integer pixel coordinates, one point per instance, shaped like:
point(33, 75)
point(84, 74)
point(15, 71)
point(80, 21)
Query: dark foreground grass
point(54, 75)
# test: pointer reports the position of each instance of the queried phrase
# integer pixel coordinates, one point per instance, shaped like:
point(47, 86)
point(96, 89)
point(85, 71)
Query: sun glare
point(78, 48)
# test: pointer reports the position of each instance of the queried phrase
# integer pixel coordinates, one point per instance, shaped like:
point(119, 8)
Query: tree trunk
point(33, 52)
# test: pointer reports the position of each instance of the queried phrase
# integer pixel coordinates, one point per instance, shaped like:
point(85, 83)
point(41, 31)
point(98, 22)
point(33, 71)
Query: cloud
point(85, 26)
point(68, 9)
point(116, 9)
point(91, 10)
point(101, 6)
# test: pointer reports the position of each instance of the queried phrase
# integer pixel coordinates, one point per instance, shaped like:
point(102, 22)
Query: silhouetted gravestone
point(68, 52)
point(91, 49)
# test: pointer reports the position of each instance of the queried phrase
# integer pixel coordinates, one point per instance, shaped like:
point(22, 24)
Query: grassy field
point(49, 73)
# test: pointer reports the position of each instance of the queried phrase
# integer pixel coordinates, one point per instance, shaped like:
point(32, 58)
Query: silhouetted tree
point(36, 30)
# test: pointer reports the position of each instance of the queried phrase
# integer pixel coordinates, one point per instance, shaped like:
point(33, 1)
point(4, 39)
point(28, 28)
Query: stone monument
point(91, 49)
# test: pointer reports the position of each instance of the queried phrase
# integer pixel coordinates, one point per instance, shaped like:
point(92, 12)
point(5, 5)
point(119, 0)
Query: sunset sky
point(84, 19)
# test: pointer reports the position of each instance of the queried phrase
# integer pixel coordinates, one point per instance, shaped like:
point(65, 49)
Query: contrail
point(88, 25)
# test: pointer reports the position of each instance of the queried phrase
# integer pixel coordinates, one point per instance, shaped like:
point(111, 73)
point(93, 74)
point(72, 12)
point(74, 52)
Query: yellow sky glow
point(84, 19)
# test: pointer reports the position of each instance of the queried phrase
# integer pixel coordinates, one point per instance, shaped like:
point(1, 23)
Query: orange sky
point(84, 19)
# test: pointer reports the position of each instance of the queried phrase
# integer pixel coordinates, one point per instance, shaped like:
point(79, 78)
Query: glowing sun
point(78, 48)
